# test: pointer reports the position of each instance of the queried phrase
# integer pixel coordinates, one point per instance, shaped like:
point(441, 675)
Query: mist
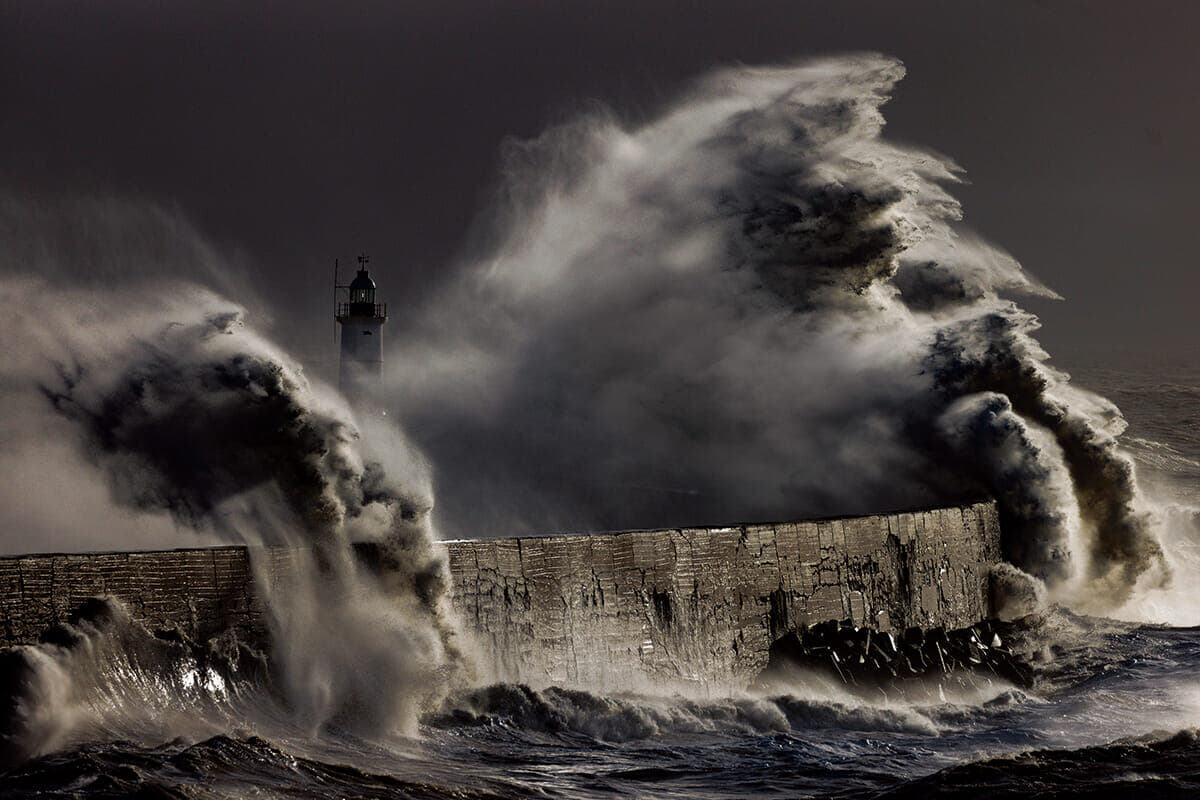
point(756, 308)
point(142, 409)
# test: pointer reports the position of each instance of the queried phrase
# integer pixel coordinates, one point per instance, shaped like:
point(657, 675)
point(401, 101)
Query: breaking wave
point(565, 712)
point(187, 413)
point(756, 308)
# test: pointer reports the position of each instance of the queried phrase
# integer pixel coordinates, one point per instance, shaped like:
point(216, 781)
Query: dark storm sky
point(298, 131)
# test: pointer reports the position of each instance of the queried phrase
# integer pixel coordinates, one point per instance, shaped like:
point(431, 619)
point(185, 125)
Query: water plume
point(754, 307)
point(182, 410)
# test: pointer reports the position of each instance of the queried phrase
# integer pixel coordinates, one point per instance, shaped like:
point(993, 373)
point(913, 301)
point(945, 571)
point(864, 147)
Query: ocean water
point(1160, 399)
point(1114, 707)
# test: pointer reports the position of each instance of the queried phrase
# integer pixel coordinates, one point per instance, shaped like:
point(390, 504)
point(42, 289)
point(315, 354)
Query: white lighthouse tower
point(361, 368)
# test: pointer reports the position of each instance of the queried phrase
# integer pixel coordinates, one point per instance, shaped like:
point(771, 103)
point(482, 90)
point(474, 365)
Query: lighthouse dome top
point(362, 281)
point(362, 294)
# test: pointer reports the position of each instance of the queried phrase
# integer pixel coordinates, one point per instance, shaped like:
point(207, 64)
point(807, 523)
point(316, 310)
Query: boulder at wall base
point(869, 659)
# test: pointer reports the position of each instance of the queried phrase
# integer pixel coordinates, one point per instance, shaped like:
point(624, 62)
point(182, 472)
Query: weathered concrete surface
point(200, 592)
point(595, 610)
point(605, 610)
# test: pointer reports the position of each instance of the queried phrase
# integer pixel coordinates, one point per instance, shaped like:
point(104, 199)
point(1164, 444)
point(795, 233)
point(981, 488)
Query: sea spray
point(101, 674)
point(184, 410)
point(754, 307)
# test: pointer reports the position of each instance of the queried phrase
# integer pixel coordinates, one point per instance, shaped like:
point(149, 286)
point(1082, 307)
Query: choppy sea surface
point(1114, 710)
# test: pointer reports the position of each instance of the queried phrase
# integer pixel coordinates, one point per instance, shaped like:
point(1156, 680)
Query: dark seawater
point(1160, 398)
point(1114, 711)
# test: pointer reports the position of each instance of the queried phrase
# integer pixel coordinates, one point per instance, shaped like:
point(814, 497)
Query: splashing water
point(756, 308)
point(185, 411)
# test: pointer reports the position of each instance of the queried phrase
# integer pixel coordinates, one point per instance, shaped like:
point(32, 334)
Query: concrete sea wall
point(597, 610)
point(201, 592)
point(704, 604)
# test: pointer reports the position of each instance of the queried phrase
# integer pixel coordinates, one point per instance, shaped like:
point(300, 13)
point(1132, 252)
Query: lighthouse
point(361, 367)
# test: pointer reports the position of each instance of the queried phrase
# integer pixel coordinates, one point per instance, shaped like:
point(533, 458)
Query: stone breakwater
point(597, 610)
point(705, 604)
point(199, 592)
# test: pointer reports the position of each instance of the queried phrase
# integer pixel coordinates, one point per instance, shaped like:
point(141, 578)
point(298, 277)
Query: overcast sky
point(299, 131)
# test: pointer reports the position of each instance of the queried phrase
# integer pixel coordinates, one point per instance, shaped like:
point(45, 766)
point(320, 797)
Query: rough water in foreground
point(1115, 709)
point(1115, 706)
